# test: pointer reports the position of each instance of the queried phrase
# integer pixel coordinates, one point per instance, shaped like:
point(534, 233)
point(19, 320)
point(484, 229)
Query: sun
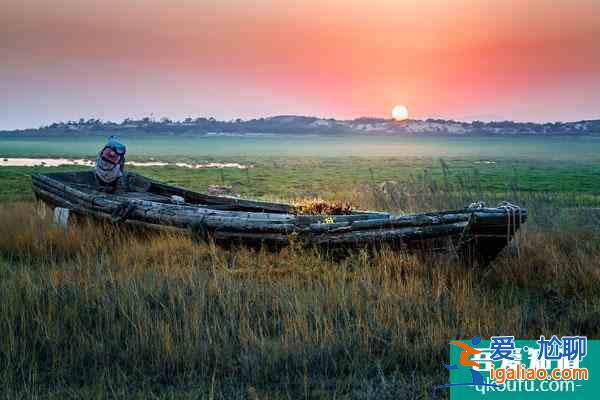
point(400, 113)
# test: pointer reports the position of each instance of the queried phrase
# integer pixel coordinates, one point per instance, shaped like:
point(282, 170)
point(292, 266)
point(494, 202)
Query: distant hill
point(291, 124)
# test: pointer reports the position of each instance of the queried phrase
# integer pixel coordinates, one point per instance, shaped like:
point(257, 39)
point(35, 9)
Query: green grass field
point(288, 178)
point(99, 312)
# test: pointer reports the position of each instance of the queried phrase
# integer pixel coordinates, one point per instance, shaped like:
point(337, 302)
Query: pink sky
point(535, 60)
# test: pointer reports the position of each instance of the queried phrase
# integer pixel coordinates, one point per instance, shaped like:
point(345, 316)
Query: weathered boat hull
point(475, 233)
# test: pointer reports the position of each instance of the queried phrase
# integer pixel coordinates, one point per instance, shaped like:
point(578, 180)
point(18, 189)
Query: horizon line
point(422, 119)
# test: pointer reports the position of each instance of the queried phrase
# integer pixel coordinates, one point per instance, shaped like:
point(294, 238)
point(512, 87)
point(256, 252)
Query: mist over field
point(586, 148)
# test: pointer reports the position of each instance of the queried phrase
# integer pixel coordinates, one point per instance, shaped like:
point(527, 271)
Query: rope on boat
point(476, 205)
point(123, 211)
point(465, 236)
point(199, 231)
point(512, 210)
point(514, 220)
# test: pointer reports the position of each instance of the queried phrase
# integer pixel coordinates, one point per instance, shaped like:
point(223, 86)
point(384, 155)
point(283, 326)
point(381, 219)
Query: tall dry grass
point(102, 312)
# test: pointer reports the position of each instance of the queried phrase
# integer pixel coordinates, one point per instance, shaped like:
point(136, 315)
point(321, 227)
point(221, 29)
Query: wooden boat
point(475, 232)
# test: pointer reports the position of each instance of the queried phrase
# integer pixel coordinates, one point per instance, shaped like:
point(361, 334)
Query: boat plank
point(409, 233)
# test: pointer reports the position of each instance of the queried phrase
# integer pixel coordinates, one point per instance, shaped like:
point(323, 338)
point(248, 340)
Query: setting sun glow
point(400, 113)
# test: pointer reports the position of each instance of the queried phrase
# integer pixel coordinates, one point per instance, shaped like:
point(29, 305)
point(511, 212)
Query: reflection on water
point(56, 162)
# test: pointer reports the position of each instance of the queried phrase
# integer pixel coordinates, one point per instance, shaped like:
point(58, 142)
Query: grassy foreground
point(99, 312)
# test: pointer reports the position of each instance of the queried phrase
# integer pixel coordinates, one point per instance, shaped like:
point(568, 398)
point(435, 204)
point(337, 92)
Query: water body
point(215, 147)
point(57, 162)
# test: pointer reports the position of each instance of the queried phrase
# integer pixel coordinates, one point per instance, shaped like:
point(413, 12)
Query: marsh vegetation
point(99, 311)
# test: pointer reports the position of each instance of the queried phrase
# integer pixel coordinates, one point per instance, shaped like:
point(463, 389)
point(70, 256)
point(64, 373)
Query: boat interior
point(141, 188)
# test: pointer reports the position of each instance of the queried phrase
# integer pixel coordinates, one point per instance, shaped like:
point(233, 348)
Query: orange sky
point(525, 60)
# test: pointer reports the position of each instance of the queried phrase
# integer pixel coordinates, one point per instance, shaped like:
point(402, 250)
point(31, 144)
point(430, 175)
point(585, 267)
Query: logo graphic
point(468, 351)
point(502, 367)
